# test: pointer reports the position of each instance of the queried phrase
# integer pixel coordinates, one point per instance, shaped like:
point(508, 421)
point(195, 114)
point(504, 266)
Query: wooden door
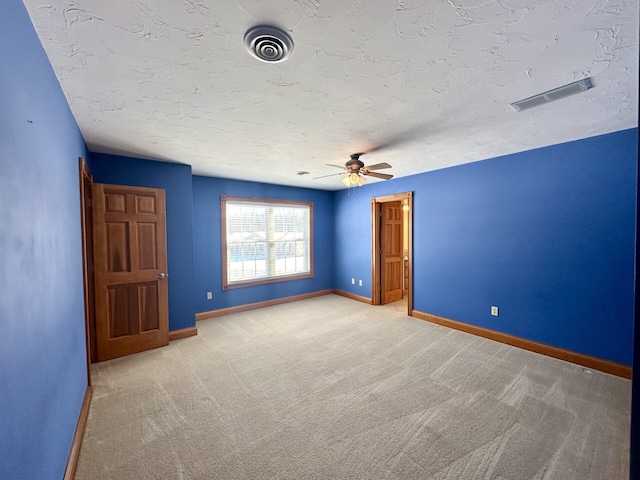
point(130, 258)
point(391, 252)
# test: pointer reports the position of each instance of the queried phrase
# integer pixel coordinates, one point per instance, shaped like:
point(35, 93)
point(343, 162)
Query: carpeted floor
point(329, 388)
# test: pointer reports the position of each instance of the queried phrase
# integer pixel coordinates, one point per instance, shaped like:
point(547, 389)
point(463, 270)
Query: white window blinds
point(265, 240)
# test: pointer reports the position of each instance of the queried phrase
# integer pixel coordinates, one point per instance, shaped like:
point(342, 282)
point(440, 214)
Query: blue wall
point(175, 179)
point(208, 249)
point(634, 471)
point(43, 374)
point(547, 235)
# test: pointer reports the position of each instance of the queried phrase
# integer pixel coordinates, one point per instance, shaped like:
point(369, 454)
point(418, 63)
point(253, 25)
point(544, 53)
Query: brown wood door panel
point(392, 255)
point(130, 258)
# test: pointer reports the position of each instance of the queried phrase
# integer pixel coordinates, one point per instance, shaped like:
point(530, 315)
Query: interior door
point(391, 252)
point(130, 259)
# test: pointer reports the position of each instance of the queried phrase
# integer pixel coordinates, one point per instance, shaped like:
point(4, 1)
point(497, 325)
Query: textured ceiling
point(431, 81)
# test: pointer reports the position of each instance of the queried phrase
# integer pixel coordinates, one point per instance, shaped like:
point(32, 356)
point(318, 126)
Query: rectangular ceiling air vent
point(552, 95)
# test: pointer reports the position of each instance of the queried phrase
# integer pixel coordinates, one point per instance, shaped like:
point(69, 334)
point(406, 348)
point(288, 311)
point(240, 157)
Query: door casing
point(86, 225)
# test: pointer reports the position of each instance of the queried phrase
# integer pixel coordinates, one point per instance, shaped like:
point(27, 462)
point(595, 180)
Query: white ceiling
point(430, 80)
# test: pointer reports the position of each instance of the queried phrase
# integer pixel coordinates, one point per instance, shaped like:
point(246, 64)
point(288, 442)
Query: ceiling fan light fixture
point(356, 172)
point(353, 179)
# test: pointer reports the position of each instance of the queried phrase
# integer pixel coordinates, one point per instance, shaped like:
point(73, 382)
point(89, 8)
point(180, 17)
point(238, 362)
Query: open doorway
point(392, 249)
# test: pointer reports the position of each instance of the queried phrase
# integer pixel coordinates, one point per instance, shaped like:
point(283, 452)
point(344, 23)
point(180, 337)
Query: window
point(265, 241)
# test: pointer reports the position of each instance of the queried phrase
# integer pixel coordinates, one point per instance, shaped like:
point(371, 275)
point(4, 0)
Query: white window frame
point(280, 256)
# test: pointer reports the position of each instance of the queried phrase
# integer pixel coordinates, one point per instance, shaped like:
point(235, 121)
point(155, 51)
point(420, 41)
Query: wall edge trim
point(588, 361)
point(353, 296)
point(72, 462)
point(267, 303)
point(183, 333)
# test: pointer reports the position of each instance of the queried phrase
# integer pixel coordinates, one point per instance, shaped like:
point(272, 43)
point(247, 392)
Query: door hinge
point(88, 202)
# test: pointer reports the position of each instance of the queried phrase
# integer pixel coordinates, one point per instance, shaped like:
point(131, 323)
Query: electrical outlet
point(353, 281)
point(209, 295)
point(360, 283)
point(494, 310)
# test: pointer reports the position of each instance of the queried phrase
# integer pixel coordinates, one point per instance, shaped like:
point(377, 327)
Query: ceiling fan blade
point(377, 166)
point(384, 176)
point(330, 175)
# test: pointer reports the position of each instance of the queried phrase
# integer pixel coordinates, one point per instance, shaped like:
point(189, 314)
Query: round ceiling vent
point(269, 44)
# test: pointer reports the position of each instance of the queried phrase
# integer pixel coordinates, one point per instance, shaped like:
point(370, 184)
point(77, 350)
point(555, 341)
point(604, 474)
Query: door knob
point(162, 275)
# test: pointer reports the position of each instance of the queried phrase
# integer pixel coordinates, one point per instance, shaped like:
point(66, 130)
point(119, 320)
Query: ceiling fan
point(355, 170)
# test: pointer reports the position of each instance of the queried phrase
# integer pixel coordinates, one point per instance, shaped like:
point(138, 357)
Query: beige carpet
point(329, 388)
